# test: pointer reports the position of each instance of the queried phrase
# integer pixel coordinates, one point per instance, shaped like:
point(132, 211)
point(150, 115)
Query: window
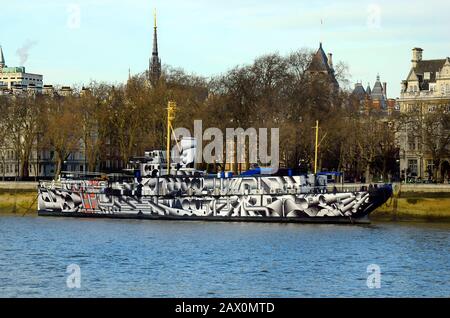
point(411, 143)
point(412, 167)
point(430, 167)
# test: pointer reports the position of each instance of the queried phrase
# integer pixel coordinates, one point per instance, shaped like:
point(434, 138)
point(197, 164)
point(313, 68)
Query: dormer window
point(432, 88)
point(427, 76)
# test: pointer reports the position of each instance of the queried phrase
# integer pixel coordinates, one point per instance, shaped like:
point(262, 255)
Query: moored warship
point(155, 188)
point(187, 194)
point(184, 197)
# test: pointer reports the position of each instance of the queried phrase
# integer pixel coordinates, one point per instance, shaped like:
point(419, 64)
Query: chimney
point(385, 89)
point(417, 56)
point(330, 60)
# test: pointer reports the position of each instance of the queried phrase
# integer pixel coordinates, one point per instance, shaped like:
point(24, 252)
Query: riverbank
point(18, 198)
point(19, 202)
point(407, 209)
point(410, 202)
point(421, 202)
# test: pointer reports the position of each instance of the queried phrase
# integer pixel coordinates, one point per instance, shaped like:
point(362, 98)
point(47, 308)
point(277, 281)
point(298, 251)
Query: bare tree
point(62, 128)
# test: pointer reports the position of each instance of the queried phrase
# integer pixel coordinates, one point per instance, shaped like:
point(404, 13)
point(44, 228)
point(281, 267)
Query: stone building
point(374, 99)
point(424, 92)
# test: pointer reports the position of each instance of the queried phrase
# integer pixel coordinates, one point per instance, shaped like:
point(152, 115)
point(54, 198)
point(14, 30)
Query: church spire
point(155, 62)
point(155, 35)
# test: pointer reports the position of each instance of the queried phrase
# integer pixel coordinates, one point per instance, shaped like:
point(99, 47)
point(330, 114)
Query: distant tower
point(155, 62)
point(2, 59)
point(322, 65)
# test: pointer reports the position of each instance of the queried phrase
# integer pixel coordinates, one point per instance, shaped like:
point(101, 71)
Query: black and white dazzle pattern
point(274, 197)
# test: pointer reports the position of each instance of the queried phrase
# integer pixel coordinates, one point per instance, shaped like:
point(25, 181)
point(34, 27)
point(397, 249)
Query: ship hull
point(254, 199)
point(128, 216)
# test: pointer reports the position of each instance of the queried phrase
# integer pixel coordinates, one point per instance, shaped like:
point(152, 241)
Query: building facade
point(374, 99)
point(426, 93)
point(17, 77)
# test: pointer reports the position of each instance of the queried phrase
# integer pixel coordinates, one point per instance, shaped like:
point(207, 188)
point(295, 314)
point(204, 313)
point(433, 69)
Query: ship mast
point(171, 108)
point(316, 147)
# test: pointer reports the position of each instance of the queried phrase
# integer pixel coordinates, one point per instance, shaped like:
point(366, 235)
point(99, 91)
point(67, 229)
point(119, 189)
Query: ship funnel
point(188, 148)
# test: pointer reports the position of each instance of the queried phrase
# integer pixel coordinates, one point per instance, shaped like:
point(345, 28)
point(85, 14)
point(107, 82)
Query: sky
point(72, 42)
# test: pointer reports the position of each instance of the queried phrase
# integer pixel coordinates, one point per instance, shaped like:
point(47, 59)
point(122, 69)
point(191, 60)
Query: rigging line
point(175, 138)
point(29, 208)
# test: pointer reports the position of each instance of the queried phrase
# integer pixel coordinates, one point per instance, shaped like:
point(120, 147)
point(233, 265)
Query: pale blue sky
point(210, 37)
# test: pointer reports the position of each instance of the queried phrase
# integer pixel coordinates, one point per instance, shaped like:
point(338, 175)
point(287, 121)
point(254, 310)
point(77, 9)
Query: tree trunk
point(440, 177)
point(368, 174)
point(59, 161)
point(24, 169)
point(384, 169)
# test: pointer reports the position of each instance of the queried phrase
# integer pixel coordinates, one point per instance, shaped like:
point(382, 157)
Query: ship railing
point(74, 185)
point(356, 187)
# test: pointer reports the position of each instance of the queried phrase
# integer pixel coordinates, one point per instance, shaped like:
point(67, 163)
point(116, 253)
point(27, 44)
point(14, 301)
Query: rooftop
point(20, 69)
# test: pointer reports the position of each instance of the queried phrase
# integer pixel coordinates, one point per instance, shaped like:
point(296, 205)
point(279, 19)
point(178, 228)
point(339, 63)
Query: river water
point(118, 258)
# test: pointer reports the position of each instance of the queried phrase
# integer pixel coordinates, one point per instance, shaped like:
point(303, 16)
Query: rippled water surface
point(121, 258)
